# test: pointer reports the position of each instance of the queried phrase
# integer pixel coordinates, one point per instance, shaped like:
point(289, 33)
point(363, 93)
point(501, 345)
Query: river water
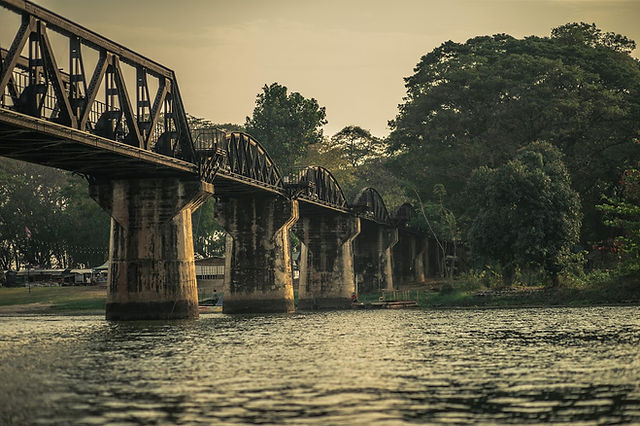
point(579, 365)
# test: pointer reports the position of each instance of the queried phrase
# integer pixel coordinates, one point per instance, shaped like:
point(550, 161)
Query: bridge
point(117, 118)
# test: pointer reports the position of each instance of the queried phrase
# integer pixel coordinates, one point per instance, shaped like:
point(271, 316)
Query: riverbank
point(461, 294)
point(431, 295)
point(90, 300)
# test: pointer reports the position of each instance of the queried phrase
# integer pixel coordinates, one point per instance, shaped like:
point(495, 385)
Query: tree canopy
point(286, 124)
point(356, 145)
point(357, 159)
point(622, 212)
point(478, 103)
point(527, 215)
point(48, 219)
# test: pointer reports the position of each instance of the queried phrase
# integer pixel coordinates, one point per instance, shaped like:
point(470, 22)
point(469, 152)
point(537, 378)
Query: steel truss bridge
point(82, 116)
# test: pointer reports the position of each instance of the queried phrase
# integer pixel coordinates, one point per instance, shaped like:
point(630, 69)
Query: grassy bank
point(461, 293)
point(53, 300)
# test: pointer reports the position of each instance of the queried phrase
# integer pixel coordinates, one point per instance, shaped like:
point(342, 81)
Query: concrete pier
point(409, 256)
point(258, 274)
point(327, 277)
point(421, 259)
point(151, 268)
point(373, 259)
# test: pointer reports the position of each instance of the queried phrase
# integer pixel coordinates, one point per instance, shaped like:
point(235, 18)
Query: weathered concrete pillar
point(426, 256)
point(373, 259)
point(435, 259)
point(258, 253)
point(404, 257)
point(327, 277)
point(151, 266)
point(420, 258)
point(387, 238)
point(410, 257)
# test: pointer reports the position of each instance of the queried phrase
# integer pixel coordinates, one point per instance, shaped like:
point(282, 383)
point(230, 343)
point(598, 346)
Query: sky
point(350, 55)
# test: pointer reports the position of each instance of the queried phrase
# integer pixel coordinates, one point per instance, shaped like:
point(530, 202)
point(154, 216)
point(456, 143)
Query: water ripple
point(356, 367)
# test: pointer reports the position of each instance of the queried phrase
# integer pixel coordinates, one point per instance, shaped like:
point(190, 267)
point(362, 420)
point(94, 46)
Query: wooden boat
point(398, 304)
point(207, 305)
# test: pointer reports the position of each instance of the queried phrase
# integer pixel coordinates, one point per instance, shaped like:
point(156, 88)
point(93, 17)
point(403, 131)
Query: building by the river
point(210, 275)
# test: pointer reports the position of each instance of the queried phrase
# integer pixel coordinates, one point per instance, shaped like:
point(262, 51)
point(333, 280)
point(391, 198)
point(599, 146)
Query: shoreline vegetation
point(464, 292)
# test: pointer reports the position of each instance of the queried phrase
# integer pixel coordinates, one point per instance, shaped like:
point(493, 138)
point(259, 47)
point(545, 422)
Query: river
point(348, 367)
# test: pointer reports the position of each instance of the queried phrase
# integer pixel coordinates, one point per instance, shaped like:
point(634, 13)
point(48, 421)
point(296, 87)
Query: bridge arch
point(403, 215)
point(315, 183)
point(237, 154)
point(369, 203)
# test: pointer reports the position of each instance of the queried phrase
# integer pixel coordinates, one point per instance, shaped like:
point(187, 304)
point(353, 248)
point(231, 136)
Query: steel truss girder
point(74, 99)
point(316, 185)
point(370, 205)
point(236, 155)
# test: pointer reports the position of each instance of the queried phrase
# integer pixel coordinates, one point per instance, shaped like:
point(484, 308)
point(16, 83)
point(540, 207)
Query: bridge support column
point(374, 266)
point(420, 261)
point(151, 268)
point(403, 258)
point(258, 253)
point(327, 277)
point(409, 258)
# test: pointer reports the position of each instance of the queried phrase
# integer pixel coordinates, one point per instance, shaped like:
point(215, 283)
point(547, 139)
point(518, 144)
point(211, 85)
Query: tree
point(528, 216)
point(48, 219)
point(208, 236)
point(197, 123)
point(356, 145)
point(286, 124)
point(85, 226)
point(439, 222)
point(357, 160)
point(478, 103)
point(622, 212)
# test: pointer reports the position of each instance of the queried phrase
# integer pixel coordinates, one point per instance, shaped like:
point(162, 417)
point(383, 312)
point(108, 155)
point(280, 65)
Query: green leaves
point(623, 212)
point(66, 227)
point(286, 124)
point(479, 103)
point(356, 145)
point(525, 212)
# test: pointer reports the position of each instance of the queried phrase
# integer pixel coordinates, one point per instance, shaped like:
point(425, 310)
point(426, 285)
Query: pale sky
point(349, 55)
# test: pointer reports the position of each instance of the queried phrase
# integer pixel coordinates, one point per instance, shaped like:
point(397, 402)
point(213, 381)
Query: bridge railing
point(51, 108)
point(35, 82)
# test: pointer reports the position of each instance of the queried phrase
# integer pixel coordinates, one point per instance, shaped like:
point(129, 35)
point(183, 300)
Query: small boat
point(395, 304)
point(208, 309)
point(208, 305)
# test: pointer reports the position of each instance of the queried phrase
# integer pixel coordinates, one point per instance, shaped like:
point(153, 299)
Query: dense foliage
point(357, 159)
point(478, 103)
point(464, 148)
point(622, 212)
point(47, 219)
point(286, 124)
point(526, 213)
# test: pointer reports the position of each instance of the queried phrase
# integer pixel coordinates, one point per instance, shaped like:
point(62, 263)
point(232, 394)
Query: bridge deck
point(40, 141)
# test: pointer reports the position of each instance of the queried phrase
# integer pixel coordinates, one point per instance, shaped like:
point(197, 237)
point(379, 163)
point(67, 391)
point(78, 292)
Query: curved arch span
point(403, 214)
point(370, 203)
point(235, 153)
point(318, 184)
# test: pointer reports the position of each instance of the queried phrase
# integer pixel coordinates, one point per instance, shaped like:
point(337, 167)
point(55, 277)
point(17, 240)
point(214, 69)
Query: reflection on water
point(352, 367)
